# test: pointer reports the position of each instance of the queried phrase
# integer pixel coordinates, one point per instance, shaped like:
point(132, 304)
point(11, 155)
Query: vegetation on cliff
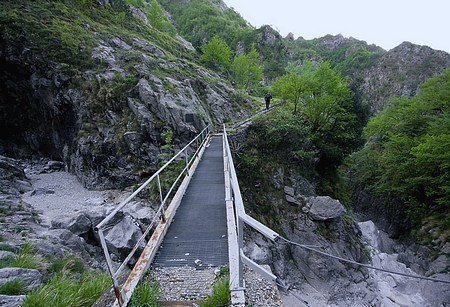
point(310, 134)
point(407, 154)
point(104, 87)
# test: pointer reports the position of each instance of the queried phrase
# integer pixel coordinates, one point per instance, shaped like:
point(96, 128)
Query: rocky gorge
point(82, 123)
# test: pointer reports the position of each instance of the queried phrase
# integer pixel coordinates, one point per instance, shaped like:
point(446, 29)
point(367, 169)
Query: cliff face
point(99, 104)
point(397, 73)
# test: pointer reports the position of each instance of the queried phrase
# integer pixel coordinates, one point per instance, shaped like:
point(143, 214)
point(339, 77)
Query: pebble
point(192, 284)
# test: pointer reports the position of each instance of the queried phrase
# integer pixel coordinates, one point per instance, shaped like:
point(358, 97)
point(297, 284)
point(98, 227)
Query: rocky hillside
point(377, 75)
point(96, 85)
point(398, 73)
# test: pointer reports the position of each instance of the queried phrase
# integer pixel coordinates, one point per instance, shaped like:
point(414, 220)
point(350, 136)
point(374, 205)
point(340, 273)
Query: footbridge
point(199, 222)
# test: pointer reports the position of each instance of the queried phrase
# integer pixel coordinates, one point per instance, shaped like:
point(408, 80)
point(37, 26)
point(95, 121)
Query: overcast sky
point(386, 23)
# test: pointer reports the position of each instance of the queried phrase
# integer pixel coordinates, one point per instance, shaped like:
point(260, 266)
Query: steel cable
point(362, 264)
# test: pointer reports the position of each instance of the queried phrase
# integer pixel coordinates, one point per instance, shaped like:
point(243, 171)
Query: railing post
point(163, 218)
point(186, 158)
point(240, 226)
point(117, 290)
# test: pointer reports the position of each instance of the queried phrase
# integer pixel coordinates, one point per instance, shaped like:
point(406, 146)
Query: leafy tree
point(200, 20)
point(291, 87)
point(409, 150)
point(246, 71)
point(158, 19)
point(326, 108)
point(329, 98)
point(216, 54)
point(296, 84)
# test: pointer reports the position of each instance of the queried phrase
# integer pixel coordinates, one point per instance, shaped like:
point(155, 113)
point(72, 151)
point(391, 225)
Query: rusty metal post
point(117, 290)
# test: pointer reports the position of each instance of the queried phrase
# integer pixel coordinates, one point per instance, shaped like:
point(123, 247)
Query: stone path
point(183, 283)
point(191, 284)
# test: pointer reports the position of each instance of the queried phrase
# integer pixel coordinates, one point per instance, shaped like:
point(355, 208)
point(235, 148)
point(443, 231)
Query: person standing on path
point(267, 99)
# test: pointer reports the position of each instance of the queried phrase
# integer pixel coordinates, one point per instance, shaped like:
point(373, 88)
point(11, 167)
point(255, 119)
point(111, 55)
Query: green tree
point(326, 108)
point(297, 84)
point(158, 19)
point(216, 54)
point(246, 71)
point(330, 95)
point(291, 87)
point(409, 149)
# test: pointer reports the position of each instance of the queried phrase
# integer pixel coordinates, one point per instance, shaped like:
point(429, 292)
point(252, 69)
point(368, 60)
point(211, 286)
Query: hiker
point(267, 99)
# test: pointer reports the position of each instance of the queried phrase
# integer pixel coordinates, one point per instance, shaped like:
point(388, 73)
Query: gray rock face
point(289, 191)
point(30, 277)
point(389, 219)
point(396, 73)
point(6, 255)
point(440, 265)
point(292, 200)
point(11, 300)
point(64, 237)
point(10, 169)
point(323, 208)
point(78, 225)
point(87, 128)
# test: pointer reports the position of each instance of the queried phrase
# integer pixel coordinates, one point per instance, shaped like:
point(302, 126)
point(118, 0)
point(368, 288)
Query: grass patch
point(70, 264)
point(7, 248)
point(220, 295)
point(14, 287)
point(146, 294)
point(26, 259)
point(66, 291)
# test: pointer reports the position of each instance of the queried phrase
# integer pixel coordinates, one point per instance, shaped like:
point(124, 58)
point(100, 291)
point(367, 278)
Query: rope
point(364, 265)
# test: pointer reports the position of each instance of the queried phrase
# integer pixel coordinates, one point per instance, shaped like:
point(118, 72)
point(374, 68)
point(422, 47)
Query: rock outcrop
point(322, 208)
point(30, 278)
point(103, 115)
point(398, 73)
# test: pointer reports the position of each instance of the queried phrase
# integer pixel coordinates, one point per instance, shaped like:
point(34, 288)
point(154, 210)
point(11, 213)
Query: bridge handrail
point(233, 194)
point(103, 225)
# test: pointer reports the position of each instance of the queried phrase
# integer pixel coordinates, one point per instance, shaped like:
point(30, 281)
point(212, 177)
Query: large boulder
point(66, 238)
point(323, 208)
point(79, 224)
point(123, 236)
point(30, 277)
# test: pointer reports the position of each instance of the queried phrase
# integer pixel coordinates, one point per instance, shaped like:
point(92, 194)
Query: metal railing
point(237, 218)
point(194, 146)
